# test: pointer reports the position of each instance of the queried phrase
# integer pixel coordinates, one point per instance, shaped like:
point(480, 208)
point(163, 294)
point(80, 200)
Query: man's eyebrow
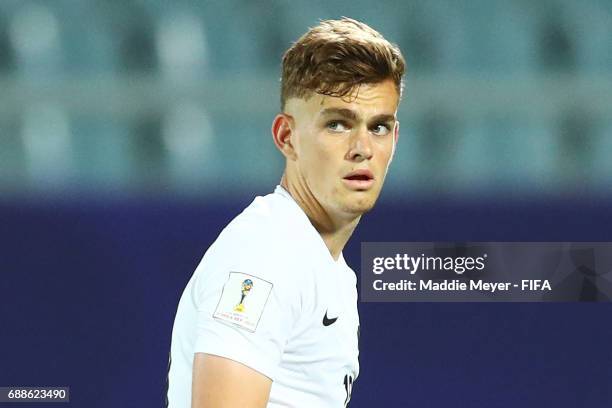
point(350, 114)
point(384, 117)
point(347, 113)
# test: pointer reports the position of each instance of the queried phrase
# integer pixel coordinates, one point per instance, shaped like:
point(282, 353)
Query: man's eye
point(336, 126)
point(381, 129)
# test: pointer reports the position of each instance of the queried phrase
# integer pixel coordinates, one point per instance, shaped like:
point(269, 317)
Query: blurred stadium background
point(102, 97)
point(132, 131)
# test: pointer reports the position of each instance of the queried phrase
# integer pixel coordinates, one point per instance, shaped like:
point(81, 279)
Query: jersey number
point(348, 387)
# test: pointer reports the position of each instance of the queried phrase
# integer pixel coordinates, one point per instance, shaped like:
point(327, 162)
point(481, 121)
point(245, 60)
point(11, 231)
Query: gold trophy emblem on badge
point(247, 285)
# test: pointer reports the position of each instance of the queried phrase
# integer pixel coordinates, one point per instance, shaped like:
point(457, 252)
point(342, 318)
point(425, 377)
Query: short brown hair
point(335, 57)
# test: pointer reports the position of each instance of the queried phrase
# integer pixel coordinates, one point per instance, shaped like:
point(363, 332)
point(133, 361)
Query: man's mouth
point(359, 179)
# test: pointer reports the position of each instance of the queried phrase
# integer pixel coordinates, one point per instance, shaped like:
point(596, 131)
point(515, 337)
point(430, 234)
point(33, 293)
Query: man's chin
point(360, 205)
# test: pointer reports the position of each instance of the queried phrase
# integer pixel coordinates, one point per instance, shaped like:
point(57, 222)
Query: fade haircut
point(335, 57)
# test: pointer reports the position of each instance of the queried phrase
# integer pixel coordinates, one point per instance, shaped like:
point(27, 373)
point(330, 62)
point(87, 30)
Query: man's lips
point(359, 179)
point(363, 174)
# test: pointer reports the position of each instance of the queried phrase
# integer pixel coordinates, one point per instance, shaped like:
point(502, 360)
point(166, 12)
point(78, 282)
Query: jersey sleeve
point(247, 299)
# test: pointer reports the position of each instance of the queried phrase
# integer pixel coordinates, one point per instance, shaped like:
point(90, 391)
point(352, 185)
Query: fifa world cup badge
point(247, 285)
point(243, 312)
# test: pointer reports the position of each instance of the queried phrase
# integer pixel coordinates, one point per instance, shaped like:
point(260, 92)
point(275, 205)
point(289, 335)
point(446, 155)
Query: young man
point(269, 318)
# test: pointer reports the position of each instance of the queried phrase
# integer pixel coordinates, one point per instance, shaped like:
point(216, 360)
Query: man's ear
point(283, 133)
point(395, 139)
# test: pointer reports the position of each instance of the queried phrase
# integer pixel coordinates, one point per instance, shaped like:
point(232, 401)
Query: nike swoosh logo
point(327, 321)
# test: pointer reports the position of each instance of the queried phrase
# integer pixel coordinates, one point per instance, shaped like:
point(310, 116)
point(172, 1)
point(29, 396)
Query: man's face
point(343, 145)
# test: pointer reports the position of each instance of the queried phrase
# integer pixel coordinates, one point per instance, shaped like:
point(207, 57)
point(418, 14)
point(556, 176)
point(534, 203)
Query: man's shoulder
point(270, 232)
point(260, 244)
point(272, 218)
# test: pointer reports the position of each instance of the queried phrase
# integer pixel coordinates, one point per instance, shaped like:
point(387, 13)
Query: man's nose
point(360, 145)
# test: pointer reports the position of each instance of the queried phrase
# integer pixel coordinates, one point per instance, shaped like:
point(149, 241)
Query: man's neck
point(334, 230)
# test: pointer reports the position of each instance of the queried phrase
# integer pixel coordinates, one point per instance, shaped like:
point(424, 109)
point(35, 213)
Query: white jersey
point(269, 295)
